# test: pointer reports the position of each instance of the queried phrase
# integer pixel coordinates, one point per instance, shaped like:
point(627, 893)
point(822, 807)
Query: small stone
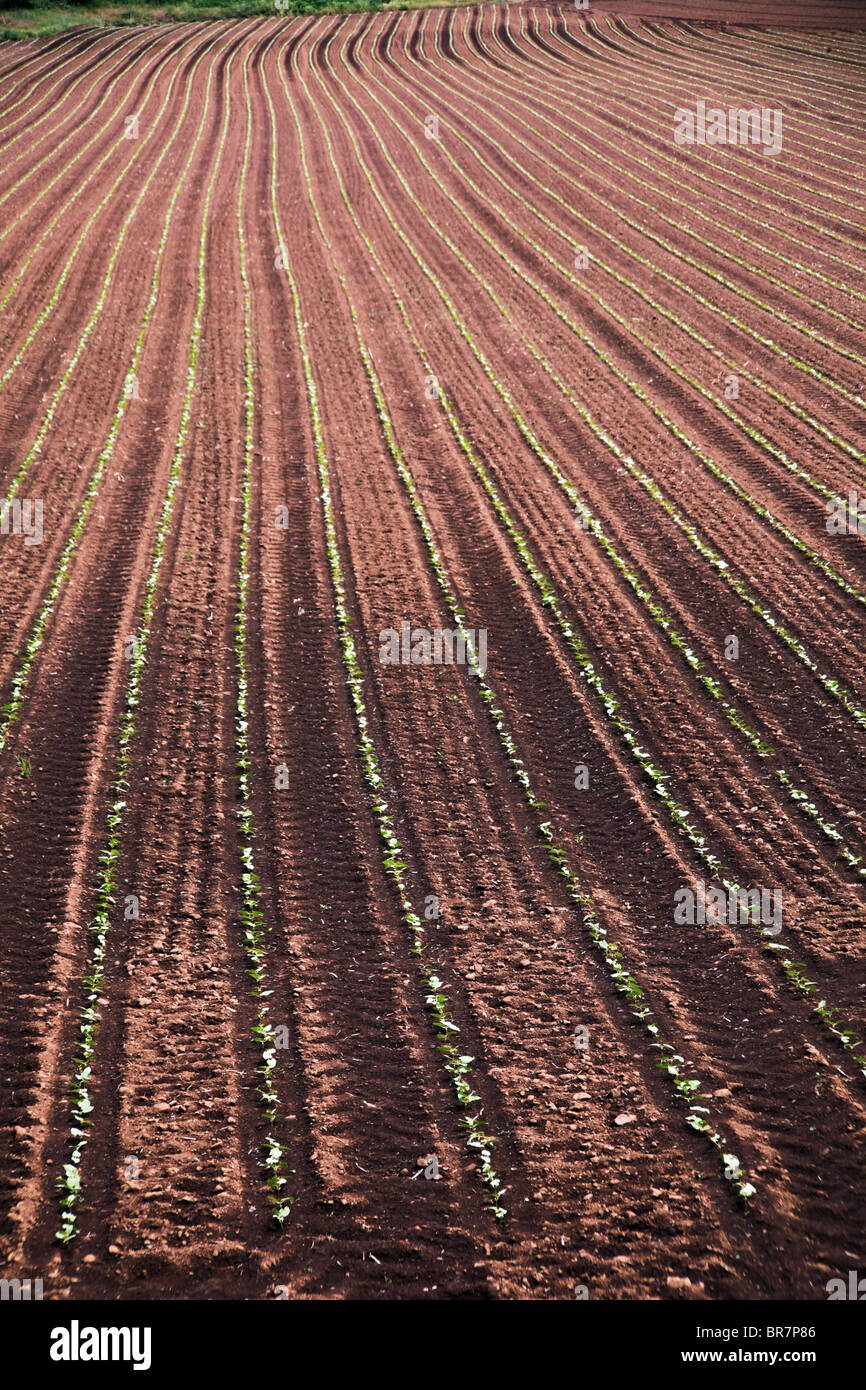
point(684, 1285)
point(626, 1118)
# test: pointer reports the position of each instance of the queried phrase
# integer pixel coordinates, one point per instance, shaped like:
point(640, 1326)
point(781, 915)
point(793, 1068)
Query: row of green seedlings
point(778, 629)
point(138, 149)
point(749, 178)
point(688, 1089)
point(676, 178)
point(11, 711)
point(273, 1160)
point(656, 168)
point(831, 685)
point(755, 435)
point(658, 308)
point(109, 858)
point(51, 67)
point(801, 798)
point(717, 64)
point(848, 46)
point(127, 63)
point(702, 61)
point(128, 50)
point(95, 314)
point(779, 44)
point(458, 1065)
point(794, 971)
point(643, 230)
point(23, 70)
point(813, 45)
point(653, 170)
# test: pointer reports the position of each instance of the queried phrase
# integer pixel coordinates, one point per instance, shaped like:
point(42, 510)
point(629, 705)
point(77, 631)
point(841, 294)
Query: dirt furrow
point(289, 899)
point(768, 1110)
point(56, 832)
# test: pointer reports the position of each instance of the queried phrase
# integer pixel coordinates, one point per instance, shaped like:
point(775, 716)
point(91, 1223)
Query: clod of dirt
point(684, 1285)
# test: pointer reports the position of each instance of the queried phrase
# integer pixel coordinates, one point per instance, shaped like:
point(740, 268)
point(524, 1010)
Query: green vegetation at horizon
point(44, 18)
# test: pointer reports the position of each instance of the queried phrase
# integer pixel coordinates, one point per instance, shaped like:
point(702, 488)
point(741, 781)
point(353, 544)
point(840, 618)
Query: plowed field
point(330, 968)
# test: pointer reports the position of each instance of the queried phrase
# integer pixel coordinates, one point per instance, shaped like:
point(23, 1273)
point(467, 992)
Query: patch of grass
point(44, 18)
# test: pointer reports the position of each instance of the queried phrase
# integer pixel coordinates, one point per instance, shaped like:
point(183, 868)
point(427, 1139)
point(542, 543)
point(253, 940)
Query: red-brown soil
point(805, 14)
point(285, 168)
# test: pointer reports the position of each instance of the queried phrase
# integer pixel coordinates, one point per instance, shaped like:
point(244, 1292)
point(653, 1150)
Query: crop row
point(126, 65)
point(575, 210)
point(723, 61)
point(139, 147)
point(51, 69)
point(100, 923)
point(648, 79)
point(252, 918)
point(457, 1064)
point(804, 799)
point(654, 168)
point(829, 683)
point(578, 650)
point(671, 1062)
point(124, 58)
